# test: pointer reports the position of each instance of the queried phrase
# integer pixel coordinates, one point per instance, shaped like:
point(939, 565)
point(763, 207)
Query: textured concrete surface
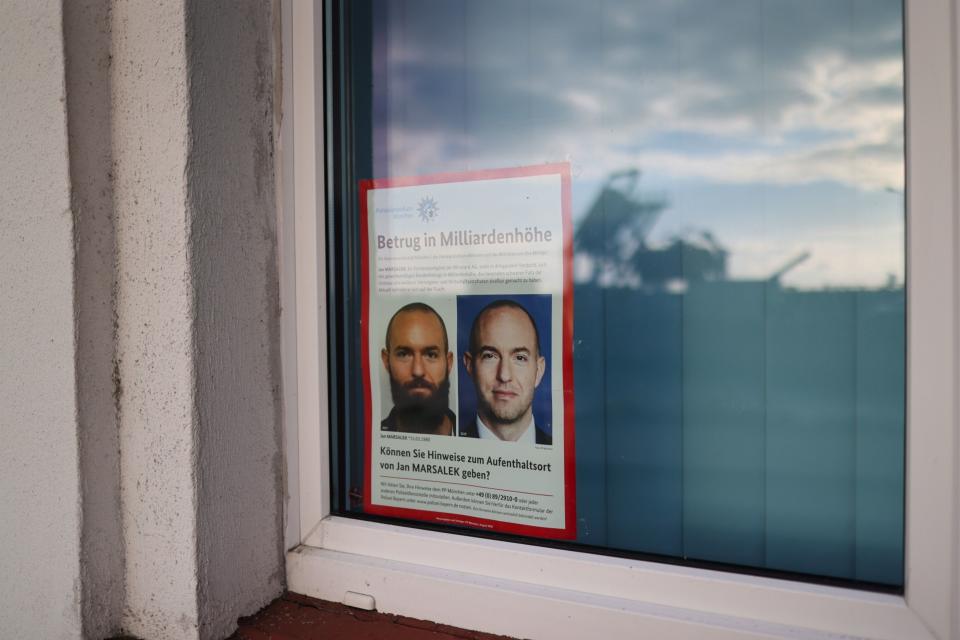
point(86, 25)
point(154, 307)
point(232, 208)
point(197, 311)
point(39, 481)
point(296, 617)
point(141, 469)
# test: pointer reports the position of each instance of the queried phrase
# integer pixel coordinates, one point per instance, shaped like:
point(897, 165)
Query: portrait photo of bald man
point(417, 359)
point(505, 390)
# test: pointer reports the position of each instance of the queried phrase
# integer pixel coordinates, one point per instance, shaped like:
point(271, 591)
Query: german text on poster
point(467, 330)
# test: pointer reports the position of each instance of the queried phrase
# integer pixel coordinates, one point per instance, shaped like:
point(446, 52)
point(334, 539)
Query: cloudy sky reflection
point(777, 125)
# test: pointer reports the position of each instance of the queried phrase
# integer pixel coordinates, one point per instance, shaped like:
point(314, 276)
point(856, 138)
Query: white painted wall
point(233, 240)
point(154, 319)
point(87, 49)
point(198, 315)
point(39, 482)
point(140, 417)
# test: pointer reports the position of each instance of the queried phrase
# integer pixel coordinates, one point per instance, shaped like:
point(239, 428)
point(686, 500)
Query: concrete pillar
point(197, 296)
point(154, 307)
point(236, 321)
point(139, 404)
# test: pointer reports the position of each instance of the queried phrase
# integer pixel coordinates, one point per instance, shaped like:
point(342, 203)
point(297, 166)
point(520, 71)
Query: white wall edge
point(931, 460)
point(318, 188)
point(314, 487)
point(286, 241)
point(955, 75)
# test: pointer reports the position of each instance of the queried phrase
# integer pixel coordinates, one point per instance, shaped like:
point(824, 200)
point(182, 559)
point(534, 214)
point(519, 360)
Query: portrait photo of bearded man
point(417, 358)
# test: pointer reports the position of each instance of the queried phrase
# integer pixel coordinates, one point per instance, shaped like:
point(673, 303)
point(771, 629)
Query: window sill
point(414, 572)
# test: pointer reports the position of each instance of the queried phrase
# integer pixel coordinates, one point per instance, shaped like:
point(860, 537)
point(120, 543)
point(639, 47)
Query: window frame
point(538, 592)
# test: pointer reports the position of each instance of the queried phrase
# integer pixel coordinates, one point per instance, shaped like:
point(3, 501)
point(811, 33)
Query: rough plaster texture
point(197, 310)
point(86, 27)
point(232, 195)
point(154, 341)
point(39, 481)
point(140, 472)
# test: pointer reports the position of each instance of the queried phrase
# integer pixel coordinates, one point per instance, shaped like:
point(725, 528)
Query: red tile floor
point(296, 617)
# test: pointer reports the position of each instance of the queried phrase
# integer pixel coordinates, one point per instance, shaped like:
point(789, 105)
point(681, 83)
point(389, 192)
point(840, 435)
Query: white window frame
point(535, 592)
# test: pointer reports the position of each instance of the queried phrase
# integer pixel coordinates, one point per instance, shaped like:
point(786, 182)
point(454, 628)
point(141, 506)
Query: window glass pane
point(738, 216)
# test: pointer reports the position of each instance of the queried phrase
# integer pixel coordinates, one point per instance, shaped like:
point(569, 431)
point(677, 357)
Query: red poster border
point(569, 531)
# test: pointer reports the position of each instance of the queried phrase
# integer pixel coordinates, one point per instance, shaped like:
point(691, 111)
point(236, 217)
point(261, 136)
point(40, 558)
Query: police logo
point(427, 209)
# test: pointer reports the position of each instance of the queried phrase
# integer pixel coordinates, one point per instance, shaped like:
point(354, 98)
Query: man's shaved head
point(500, 304)
point(422, 308)
point(418, 360)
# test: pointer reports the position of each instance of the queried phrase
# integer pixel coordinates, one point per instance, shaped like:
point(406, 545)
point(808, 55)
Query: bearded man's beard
point(418, 413)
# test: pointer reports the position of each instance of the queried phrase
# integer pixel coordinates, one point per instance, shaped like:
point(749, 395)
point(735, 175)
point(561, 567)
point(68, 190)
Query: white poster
point(467, 329)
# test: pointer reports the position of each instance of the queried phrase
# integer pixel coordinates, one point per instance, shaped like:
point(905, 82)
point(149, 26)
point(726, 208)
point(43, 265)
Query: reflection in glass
point(739, 232)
